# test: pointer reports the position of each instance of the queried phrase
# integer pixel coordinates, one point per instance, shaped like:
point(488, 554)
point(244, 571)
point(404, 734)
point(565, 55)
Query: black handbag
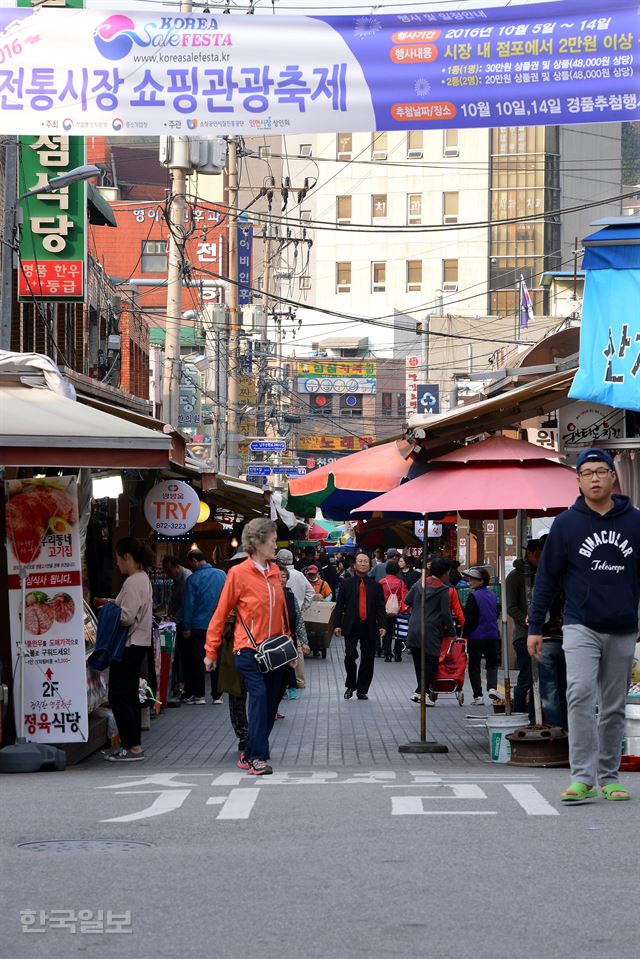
point(273, 653)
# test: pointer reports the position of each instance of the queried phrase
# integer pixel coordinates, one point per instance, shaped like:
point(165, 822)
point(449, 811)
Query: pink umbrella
point(496, 477)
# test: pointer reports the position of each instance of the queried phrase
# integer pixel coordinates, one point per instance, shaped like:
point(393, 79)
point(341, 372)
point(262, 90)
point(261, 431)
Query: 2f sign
point(172, 508)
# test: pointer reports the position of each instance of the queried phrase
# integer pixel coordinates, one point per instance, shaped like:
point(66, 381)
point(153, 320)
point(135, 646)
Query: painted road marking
point(239, 804)
point(167, 801)
point(533, 803)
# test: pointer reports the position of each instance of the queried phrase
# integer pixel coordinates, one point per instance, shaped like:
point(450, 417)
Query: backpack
point(392, 605)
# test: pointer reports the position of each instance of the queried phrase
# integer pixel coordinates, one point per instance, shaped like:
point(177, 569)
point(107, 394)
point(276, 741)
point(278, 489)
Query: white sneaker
point(494, 696)
point(199, 701)
point(219, 701)
point(429, 701)
point(478, 701)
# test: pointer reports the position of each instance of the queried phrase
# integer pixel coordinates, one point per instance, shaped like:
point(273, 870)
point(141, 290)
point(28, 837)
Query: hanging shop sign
point(587, 424)
point(43, 543)
point(609, 341)
point(335, 377)
point(428, 398)
point(53, 232)
point(172, 508)
point(146, 72)
point(244, 244)
point(412, 376)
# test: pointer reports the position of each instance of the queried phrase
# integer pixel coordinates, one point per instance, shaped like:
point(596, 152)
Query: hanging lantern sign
point(172, 508)
point(204, 514)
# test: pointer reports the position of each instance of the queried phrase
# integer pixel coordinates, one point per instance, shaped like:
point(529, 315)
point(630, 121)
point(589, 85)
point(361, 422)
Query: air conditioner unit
point(305, 149)
point(343, 288)
point(415, 154)
point(449, 287)
point(450, 218)
point(414, 287)
point(378, 154)
point(344, 156)
point(343, 219)
point(451, 152)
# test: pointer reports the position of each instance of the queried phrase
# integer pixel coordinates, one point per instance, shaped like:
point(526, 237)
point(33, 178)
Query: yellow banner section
point(335, 368)
point(322, 442)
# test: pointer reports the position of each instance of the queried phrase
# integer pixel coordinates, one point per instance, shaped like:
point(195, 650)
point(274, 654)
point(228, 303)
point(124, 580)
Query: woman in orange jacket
point(254, 589)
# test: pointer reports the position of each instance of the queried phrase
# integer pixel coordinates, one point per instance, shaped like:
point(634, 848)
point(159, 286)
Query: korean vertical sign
point(413, 366)
point(53, 241)
point(244, 245)
point(43, 540)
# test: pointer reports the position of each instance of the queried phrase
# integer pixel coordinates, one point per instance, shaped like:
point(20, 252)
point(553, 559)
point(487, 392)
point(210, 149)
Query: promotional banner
point(43, 540)
point(53, 232)
point(331, 376)
point(154, 72)
point(322, 442)
point(609, 370)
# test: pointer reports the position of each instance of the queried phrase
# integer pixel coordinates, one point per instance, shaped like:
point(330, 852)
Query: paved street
point(350, 849)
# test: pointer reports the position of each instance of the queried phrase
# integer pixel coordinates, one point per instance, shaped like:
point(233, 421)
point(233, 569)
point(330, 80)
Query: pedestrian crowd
point(572, 600)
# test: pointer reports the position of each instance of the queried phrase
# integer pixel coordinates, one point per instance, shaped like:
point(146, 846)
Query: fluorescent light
point(107, 487)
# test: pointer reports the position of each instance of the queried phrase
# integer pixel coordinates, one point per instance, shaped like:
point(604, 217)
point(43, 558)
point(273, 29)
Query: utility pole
point(10, 201)
point(233, 419)
point(175, 258)
point(264, 338)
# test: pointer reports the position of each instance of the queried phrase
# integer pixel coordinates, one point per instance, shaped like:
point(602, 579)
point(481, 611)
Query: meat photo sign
point(43, 541)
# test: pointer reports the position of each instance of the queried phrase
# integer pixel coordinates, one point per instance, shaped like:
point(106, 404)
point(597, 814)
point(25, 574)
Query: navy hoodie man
point(593, 553)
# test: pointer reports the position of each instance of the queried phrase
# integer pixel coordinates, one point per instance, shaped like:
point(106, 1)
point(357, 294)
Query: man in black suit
point(361, 618)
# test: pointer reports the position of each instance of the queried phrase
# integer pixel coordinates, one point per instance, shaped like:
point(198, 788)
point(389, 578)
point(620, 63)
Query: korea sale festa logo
point(117, 35)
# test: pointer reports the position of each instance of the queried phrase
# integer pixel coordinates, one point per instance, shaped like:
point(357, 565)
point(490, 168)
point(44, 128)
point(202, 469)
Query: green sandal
point(615, 792)
point(578, 792)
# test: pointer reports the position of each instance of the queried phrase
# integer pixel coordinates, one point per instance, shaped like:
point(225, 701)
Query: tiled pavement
point(321, 729)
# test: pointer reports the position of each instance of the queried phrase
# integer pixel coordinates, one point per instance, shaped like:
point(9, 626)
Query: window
point(321, 405)
point(343, 209)
point(344, 146)
point(414, 144)
point(450, 207)
point(305, 282)
point(379, 206)
point(264, 152)
point(402, 404)
point(379, 146)
point(378, 277)
point(414, 276)
point(450, 147)
point(154, 256)
point(343, 278)
point(449, 276)
point(414, 208)
point(305, 150)
point(387, 404)
point(350, 405)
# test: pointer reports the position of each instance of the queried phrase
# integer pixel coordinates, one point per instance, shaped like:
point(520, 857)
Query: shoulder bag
point(273, 653)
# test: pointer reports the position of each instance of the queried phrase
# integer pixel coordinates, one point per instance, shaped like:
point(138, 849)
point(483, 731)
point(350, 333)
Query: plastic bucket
point(632, 721)
point(499, 728)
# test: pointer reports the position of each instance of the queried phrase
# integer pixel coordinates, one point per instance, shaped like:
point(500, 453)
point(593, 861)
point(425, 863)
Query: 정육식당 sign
point(43, 542)
point(149, 72)
point(171, 508)
point(52, 238)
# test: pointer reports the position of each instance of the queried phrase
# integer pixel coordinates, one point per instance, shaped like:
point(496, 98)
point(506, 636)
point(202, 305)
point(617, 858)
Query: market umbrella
point(496, 477)
point(341, 486)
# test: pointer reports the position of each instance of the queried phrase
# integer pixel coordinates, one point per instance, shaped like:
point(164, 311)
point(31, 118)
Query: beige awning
point(41, 428)
point(507, 409)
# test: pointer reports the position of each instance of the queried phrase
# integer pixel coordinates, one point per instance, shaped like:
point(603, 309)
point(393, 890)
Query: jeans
point(390, 639)
point(124, 680)
point(553, 684)
point(523, 688)
point(477, 648)
point(264, 695)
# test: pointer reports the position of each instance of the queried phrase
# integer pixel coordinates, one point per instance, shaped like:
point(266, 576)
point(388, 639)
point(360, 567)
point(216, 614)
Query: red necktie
point(362, 600)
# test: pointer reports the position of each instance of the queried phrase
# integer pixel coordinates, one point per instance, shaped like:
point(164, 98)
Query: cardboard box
point(320, 618)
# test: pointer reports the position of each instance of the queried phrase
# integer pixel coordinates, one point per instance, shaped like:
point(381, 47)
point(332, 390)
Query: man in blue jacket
point(593, 552)
point(201, 594)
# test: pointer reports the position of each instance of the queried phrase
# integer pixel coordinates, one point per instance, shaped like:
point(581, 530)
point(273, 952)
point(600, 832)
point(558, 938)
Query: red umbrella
point(496, 477)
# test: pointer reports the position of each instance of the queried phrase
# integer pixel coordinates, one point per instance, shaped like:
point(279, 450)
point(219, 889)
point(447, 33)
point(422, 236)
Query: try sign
point(172, 508)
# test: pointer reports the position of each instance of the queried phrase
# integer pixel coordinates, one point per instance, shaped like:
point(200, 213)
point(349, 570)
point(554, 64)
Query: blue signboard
point(244, 248)
point(258, 469)
point(290, 471)
point(268, 446)
point(428, 398)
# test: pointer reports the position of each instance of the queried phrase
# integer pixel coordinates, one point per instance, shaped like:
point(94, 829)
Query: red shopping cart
point(452, 666)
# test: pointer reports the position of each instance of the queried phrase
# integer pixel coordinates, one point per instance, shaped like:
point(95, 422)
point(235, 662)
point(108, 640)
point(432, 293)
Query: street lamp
point(84, 172)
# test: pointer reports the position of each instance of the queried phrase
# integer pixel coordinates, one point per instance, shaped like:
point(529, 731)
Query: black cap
point(532, 545)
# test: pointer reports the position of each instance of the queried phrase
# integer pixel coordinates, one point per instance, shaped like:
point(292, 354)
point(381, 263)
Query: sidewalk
point(321, 729)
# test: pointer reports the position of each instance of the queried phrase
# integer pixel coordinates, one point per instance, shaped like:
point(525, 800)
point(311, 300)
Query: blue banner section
point(155, 71)
point(610, 340)
point(245, 247)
